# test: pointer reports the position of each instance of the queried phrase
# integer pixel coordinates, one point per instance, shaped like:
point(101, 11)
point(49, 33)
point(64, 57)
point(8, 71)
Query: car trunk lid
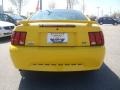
point(58, 33)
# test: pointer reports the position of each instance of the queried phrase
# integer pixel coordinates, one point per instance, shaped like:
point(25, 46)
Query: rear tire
point(115, 23)
point(25, 73)
point(101, 23)
point(22, 73)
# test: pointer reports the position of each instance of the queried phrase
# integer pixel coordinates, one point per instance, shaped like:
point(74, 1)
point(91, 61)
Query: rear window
point(58, 15)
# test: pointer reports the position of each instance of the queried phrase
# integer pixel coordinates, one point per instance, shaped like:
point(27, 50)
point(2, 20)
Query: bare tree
point(116, 15)
point(14, 2)
point(18, 4)
point(10, 10)
point(52, 5)
point(71, 3)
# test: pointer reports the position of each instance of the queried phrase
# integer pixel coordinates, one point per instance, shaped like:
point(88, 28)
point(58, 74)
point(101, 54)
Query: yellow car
point(57, 41)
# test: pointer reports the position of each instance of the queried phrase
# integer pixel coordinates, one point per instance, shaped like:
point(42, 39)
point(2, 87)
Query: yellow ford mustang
point(57, 40)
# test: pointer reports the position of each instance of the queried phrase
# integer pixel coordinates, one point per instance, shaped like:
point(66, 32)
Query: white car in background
point(6, 28)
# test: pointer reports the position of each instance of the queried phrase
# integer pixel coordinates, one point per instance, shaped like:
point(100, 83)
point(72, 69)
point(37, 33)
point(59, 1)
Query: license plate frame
point(55, 37)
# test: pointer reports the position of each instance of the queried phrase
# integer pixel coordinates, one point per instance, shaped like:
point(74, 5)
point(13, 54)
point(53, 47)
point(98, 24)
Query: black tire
point(25, 73)
point(22, 73)
point(101, 23)
point(115, 23)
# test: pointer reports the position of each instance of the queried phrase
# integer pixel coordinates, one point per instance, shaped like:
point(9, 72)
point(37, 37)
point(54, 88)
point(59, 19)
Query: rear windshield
point(58, 15)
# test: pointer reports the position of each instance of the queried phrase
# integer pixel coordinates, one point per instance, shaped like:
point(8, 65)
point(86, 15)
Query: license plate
point(57, 38)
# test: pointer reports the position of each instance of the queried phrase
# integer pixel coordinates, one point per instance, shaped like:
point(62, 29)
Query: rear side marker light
point(18, 38)
point(96, 38)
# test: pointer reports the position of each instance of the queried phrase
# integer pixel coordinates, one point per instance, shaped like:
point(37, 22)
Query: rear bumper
point(57, 58)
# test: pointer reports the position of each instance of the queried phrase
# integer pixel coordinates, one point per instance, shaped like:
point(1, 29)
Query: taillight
point(18, 38)
point(96, 38)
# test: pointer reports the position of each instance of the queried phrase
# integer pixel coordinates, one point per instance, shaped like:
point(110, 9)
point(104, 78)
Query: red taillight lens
point(96, 38)
point(102, 37)
point(18, 38)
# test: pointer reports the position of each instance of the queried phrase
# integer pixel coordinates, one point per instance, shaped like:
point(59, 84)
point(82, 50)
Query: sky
point(92, 7)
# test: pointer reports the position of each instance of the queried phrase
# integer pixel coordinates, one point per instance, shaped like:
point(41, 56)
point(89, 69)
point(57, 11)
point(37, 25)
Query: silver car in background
point(6, 29)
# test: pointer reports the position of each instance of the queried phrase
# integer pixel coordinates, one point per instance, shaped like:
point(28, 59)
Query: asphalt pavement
point(107, 78)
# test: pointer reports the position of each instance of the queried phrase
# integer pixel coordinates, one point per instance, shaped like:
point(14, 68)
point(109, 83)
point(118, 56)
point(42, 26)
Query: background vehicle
point(6, 28)
point(118, 20)
point(107, 20)
point(13, 18)
point(57, 40)
point(24, 17)
point(93, 18)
